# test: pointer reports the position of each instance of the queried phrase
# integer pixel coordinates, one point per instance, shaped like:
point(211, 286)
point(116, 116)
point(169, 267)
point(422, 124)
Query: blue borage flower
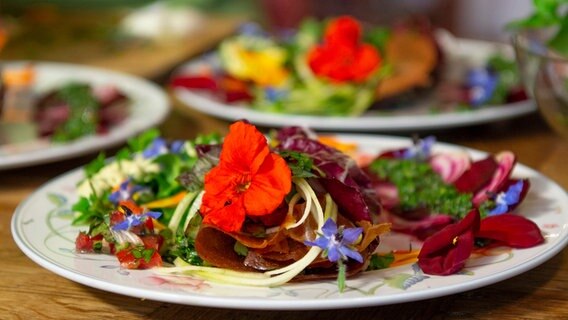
point(504, 200)
point(336, 242)
point(273, 95)
point(159, 146)
point(156, 148)
point(126, 191)
point(133, 220)
point(177, 146)
point(481, 83)
point(421, 149)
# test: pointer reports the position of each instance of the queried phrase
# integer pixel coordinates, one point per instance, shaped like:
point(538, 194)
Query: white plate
point(41, 228)
point(458, 53)
point(149, 107)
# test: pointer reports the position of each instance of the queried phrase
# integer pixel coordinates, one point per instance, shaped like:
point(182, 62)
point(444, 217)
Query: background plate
point(149, 107)
point(458, 54)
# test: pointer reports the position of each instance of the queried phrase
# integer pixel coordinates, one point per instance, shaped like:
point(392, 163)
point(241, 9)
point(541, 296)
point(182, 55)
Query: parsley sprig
point(419, 187)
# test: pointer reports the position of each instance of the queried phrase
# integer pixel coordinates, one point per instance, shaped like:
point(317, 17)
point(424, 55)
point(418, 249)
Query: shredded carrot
point(166, 202)
point(403, 258)
point(346, 147)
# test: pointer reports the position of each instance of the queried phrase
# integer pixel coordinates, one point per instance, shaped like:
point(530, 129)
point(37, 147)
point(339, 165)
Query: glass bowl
point(545, 76)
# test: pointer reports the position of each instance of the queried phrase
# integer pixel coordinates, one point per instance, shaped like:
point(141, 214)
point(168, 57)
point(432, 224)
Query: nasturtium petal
point(229, 218)
point(268, 186)
point(244, 148)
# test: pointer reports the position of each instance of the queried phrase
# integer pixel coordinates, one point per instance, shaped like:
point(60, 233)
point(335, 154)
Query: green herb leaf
point(419, 187)
point(83, 116)
point(379, 261)
point(136, 253)
point(184, 248)
point(299, 163)
point(95, 166)
point(147, 254)
point(240, 249)
point(140, 142)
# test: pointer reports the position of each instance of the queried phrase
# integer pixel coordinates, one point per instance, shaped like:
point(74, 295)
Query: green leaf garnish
point(419, 187)
point(380, 261)
point(299, 163)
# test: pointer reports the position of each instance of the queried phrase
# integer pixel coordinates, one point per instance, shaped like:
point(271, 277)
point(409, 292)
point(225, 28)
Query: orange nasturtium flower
point(248, 181)
point(343, 57)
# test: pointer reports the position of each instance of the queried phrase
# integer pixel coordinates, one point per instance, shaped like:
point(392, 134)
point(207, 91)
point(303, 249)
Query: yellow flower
point(255, 59)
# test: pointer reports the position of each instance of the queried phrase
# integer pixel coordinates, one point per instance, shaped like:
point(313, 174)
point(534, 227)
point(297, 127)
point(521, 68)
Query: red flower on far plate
point(342, 57)
point(248, 181)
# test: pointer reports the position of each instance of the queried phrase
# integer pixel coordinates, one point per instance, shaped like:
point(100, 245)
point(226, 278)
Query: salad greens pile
point(148, 169)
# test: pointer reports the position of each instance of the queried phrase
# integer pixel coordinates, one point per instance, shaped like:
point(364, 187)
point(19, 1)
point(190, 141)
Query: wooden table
point(28, 291)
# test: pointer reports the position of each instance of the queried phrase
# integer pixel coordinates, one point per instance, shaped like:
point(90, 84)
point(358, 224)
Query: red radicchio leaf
point(511, 230)
point(506, 161)
point(348, 184)
point(477, 176)
point(446, 251)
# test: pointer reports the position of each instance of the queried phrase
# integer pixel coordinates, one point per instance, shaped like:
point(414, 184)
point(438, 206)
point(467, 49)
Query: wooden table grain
point(28, 291)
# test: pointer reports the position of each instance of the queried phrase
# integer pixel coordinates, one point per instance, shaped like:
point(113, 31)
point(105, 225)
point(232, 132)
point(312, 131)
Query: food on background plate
point(67, 112)
point(249, 211)
point(340, 68)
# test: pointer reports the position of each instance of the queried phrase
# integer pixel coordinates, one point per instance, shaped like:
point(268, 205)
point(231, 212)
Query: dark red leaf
point(511, 230)
point(446, 251)
point(477, 176)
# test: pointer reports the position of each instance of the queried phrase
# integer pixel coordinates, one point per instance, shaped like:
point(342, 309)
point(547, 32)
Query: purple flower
point(177, 146)
point(336, 242)
point(126, 191)
point(133, 220)
point(507, 199)
point(156, 148)
point(252, 29)
point(481, 83)
point(273, 94)
point(421, 149)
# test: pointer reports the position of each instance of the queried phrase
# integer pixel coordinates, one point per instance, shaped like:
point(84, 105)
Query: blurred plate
point(458, 54)
point(149, 107)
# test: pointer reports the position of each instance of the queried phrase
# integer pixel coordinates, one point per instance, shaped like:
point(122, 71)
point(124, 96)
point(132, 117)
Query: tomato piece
point(127, 259)
point(153, 241)
point(116, 217)
point(83, 243)
point(155, 261)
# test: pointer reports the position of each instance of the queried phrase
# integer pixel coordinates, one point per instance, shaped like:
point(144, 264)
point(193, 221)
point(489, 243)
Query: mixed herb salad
point(253, 211)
